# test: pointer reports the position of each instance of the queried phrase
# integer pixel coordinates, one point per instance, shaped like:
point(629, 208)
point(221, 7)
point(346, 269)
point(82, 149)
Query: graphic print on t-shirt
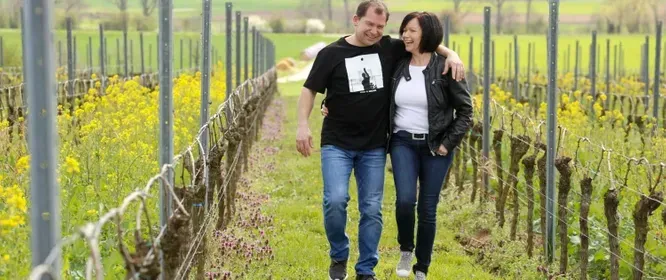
point(364, 73)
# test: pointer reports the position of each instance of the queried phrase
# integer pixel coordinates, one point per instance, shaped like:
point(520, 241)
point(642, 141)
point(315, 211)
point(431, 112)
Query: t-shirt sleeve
point(320, 72)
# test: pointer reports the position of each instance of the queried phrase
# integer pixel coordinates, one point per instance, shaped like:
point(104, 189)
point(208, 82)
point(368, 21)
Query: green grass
point(298, 238)
point(291, 45)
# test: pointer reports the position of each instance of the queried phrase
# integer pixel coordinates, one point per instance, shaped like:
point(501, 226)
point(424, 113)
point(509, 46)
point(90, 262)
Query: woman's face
point(411, 35)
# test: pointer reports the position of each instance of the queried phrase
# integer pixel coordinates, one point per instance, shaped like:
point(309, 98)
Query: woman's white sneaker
point(405, 264)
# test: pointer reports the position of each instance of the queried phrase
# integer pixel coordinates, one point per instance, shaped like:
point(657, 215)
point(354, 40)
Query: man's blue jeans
point(337, 165)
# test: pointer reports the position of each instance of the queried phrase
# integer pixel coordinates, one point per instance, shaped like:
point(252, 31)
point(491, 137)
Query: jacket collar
point(403, 67)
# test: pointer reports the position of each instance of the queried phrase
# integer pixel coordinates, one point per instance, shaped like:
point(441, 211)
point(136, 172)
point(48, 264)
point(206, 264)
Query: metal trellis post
point(486, 96)
point(205, 88)
point(166, 144)
point(238, 48)
point(228, 68)
point(70, 61)
point(102, 62)
point(245, 48)
point(551, 124)
point(40, 73)
point(657, 83)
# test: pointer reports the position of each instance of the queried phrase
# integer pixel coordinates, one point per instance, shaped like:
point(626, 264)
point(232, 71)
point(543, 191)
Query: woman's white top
point(412, 103)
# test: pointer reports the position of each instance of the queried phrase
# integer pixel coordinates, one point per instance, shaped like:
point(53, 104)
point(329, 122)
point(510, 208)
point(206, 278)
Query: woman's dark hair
point(432, 31)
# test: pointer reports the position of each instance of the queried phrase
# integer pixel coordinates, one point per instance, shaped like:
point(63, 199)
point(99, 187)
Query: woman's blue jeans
point(413, 162)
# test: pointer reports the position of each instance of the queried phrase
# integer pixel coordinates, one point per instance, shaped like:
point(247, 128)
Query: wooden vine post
point(474, 138)
point(519, 147)
point(541, 164)
point(529, 164)
point(611, 202)
point(564, 186)
point(642, 211)
point(497, 148)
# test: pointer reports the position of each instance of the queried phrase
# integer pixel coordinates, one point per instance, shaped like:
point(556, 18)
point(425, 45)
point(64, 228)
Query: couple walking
point(385, 95)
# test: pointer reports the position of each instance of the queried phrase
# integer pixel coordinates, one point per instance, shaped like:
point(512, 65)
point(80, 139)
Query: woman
point(424, 133)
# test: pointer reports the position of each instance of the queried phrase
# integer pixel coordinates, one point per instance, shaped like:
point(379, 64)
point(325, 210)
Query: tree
point(458, 6)
point(497, 5)
point(12, 13)
point(634, 15)
point(347, 15)
point(613, 12)
point(528, 14)
point(654, 6)
point(148, 6)
point(122, 6)
point(312, 8)
point(330, 9)
point(69, 5)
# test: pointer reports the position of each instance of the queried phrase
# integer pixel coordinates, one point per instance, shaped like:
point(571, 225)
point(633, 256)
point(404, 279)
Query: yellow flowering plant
point(108, 147)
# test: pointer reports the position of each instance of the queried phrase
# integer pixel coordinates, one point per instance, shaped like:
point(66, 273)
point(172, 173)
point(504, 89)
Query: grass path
point(297, 237)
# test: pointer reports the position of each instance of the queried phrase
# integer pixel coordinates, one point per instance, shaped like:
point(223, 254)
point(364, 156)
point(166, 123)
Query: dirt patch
point(480, 239)
point(247, 241)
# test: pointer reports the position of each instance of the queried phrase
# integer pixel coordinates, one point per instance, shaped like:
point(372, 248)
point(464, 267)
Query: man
point(355, 73)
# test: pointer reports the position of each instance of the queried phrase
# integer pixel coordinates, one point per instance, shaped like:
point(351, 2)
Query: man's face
point(370, 28)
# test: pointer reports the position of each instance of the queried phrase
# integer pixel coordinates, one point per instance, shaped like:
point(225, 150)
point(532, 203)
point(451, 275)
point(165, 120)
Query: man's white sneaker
point(405, 264)
point(420, 275)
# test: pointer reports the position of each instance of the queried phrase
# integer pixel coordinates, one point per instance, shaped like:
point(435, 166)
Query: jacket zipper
point(391, 110)
point(428, 95)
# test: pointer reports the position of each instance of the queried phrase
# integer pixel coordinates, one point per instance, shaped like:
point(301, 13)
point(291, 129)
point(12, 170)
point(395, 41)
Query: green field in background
point(290, 45)
point(631, 44)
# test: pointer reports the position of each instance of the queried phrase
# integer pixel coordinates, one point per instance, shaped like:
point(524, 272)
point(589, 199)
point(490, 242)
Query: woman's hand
point(442, 151)
point(324, 111)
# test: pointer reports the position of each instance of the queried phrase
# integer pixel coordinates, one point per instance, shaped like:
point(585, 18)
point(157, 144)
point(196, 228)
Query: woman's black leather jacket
point(450, 108)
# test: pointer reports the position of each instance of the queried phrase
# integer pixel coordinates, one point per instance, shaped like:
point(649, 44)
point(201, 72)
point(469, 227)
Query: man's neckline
point(344, 38)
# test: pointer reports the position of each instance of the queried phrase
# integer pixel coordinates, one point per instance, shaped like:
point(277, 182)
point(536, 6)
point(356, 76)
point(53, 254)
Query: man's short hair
point(432, 31)
point(377, 6)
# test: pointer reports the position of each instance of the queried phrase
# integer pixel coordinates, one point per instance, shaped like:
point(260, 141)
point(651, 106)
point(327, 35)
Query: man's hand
point(303, 135)
point(304, 140)
point(442, 151)
point(455, 64)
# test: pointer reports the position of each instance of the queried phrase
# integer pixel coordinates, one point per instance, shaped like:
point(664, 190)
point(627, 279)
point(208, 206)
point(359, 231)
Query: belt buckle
point(414, 136)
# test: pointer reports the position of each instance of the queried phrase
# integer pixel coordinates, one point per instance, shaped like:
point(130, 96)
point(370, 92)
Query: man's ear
point(355, 20)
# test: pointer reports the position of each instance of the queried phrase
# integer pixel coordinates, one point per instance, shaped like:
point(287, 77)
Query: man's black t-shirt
point(357, 82)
